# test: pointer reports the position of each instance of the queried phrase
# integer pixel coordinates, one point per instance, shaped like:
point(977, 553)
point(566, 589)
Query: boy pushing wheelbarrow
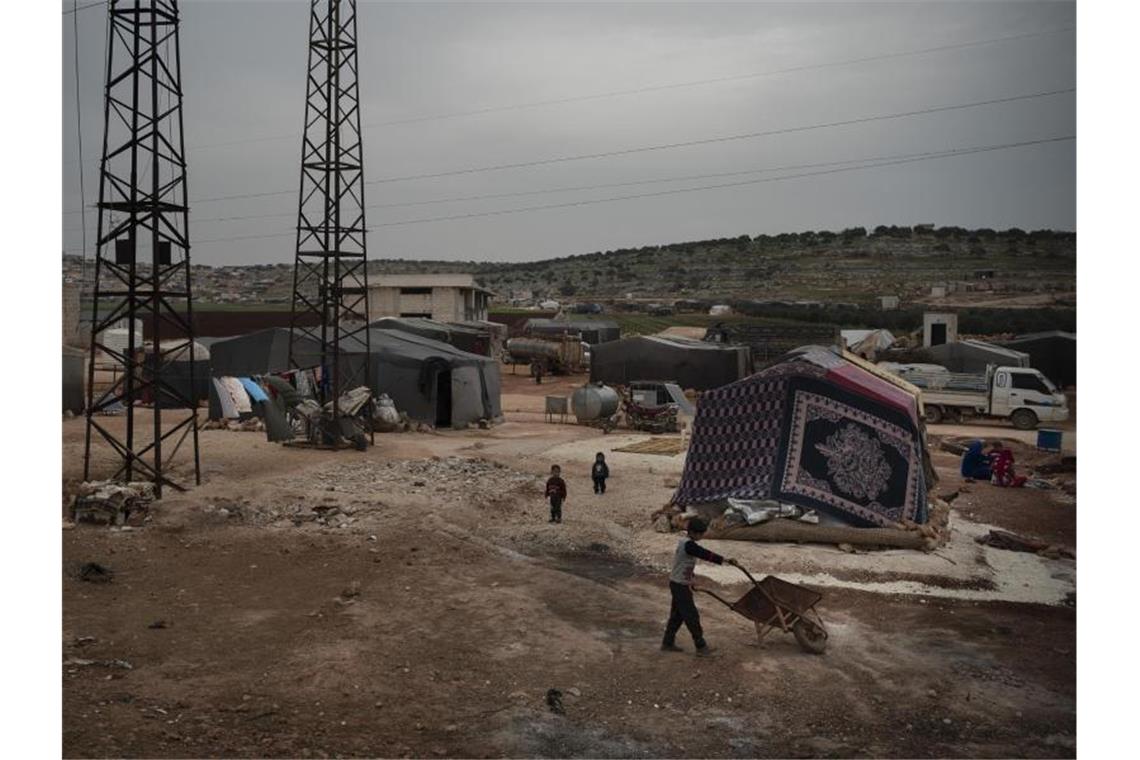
point(770, 603)
point(683, 609)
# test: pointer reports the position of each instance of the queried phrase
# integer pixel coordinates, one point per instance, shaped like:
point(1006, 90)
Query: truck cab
point(1026, 397)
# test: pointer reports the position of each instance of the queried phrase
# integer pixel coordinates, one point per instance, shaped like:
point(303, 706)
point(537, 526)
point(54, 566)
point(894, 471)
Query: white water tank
point(594, 402)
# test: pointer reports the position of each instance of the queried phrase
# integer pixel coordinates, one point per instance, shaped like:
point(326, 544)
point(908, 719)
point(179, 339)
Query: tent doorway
point(443, 399)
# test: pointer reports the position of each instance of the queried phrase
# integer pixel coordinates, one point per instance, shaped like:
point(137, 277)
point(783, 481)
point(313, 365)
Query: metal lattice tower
point(142, 263)
point(330, 277)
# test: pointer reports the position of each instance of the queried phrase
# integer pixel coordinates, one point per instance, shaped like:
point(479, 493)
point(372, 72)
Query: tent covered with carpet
point(817, 429)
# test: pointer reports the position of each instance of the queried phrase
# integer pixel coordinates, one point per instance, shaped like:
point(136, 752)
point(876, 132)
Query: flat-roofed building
point(442, 297)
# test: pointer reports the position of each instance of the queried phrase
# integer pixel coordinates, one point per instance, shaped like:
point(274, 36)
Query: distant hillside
point(854, 266)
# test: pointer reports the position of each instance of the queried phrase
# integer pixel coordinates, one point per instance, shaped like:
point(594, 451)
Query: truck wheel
point(1024, 419)
point(933, 414)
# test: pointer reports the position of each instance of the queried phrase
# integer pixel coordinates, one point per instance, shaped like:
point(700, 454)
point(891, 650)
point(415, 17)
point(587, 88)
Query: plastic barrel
point(1049, 440)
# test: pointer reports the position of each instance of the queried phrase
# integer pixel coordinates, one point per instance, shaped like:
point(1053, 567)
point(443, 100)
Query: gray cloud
point(243, 71)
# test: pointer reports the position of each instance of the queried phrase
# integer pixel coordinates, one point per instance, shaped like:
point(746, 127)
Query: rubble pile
point(352, 491)
point(111, 502)
point(252, 425)
point(472, 481)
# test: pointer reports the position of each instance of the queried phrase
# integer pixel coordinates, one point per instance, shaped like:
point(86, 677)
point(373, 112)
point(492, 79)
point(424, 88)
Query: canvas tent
point(867, 343)
point(688, 363)
point(770, 341)
point(593, 331)
point(464, 337)
point(190, 380)
point(431, 381)
point(816, 429)
point(1053, 353)
point(975, 355)
point(263, 352)
point(494, 333)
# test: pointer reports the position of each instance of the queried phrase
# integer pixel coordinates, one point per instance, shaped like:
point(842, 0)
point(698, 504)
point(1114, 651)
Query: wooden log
point(792, 531)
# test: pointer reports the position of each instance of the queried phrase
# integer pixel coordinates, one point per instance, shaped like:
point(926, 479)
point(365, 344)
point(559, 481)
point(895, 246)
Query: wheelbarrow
point(773, 603)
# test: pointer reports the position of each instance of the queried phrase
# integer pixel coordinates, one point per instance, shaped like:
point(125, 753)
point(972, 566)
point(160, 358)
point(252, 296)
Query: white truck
point(1020, 394)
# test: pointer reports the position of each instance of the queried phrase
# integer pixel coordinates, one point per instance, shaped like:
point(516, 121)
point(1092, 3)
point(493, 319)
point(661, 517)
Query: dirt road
point(391, 603)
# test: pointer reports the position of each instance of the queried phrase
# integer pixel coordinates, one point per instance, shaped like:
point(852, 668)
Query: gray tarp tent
point(431, 381)
point(975, 355)
point(465, 338)
point(176, 371)
point(688, 363)
point(593, 331)
point(263, 352)
point(1053, 353)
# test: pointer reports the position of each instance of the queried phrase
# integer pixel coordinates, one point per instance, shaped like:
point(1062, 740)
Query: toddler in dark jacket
point(599, 473)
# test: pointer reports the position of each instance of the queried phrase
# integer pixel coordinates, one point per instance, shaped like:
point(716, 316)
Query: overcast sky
point(243, 75)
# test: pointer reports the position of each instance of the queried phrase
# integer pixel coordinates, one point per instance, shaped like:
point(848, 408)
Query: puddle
point(598, 564)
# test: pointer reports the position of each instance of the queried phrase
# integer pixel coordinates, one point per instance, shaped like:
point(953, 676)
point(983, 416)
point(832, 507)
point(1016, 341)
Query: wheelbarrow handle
point(714, 596)
point(741, 569)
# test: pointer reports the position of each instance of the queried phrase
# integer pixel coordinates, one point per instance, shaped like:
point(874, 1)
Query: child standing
point(600, 472)
point(556, 492)
point(683, 609)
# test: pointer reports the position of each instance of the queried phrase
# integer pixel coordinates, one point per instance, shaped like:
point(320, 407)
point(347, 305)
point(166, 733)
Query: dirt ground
point(413, 600)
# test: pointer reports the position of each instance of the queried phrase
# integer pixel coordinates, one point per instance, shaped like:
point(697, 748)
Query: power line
point(726, 138)
point(76, 7)
point(656, 88)
point(658, 180)
point(873, 164)
point(720, 80)
point(671, 146)
point(948, 154)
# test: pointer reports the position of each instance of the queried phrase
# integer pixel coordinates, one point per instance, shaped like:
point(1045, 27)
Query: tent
point(975, 355)
point(493, 333)
point(431, 381)
point(190, 380)
point(261, 353)
point(768, 341)
point(867, 343)
point(464, 337)
point(689, 363)
point(818, 429)
point(1053, 353)
point(593, 331)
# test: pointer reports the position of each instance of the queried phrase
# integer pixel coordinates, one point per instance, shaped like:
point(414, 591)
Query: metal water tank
point(594, 402)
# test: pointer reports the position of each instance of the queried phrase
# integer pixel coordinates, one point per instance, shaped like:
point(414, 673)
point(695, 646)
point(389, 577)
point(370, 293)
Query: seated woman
point(1001, 462)
point(975, 464)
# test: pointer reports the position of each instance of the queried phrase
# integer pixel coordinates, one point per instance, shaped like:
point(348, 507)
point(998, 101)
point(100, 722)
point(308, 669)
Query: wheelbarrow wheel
point(810, 636)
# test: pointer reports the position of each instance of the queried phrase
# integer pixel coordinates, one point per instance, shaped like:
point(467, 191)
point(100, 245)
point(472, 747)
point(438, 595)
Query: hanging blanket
point(254, 390)
point(225, 400)
point(849, 455)
point(238, 396)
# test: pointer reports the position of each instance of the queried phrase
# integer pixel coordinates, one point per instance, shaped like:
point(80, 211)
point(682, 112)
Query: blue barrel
point(1049, 440)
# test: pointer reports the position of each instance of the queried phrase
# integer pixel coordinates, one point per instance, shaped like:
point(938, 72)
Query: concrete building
point(938, 329)
point(888, 303)
point(442, 297)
